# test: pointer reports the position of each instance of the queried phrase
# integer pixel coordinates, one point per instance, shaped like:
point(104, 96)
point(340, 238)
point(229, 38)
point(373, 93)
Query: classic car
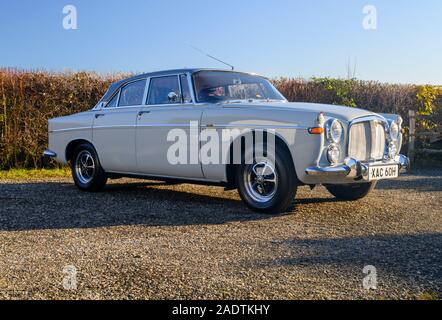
point(133, 131)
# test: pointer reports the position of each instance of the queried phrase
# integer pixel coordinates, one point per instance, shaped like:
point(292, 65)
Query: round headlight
point(394, 131)
point(335, 131)
point(333, 154)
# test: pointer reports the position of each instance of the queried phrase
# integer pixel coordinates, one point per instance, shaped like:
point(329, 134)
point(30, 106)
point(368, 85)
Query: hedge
point(29, 98)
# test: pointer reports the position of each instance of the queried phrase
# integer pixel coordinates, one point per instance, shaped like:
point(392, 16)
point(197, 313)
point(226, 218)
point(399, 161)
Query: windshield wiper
point(269, 100)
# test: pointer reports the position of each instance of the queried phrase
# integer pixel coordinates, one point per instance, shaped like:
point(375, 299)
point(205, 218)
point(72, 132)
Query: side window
point(164, 90)
point(132, 94)
point(113, 102)
point(187, 98)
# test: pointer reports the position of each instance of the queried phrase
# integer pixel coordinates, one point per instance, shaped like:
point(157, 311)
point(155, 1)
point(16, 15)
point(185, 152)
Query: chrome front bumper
point(354, 169)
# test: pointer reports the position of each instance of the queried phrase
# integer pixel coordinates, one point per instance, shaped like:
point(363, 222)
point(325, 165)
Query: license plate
point(383, 172)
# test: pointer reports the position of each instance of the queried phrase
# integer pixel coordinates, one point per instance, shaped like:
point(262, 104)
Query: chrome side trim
point(70, 129)
point(255, 126)
point(172, 125)
point(163, 125)
point(152, 125)
point(114, 127)
point(49, 154)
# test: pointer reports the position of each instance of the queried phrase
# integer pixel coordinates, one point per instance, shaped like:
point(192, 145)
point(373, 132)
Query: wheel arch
point(280, 142)
point(69, 152)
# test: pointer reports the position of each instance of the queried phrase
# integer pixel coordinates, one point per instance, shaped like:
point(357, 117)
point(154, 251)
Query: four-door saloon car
point(128, 134)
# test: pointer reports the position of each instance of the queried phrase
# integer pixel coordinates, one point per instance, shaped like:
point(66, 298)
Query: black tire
point(284, 195)
point(97, 177)
point(351, 192)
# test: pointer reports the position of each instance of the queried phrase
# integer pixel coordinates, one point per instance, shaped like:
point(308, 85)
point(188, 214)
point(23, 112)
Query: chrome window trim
point(178, 75)
point(186, 74)
point(191, 88)
point(146, 102)
point(125, 85)
point(118, 92)
point(146, 91)
point(120, 108)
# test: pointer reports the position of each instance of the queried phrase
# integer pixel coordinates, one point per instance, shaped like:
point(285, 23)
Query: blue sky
point(296, 38)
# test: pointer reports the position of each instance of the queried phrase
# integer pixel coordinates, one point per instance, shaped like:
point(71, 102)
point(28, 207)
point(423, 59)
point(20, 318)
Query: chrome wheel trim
point(85, 167)
point(261, 181)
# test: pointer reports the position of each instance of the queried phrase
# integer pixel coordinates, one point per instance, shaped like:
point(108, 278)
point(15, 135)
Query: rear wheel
point(351, 192)
point(86, 169)
point(268, 185)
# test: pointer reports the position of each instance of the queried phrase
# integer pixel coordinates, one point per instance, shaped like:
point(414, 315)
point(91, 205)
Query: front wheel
point(86, 169)
point(268, 185)
point(351, 192)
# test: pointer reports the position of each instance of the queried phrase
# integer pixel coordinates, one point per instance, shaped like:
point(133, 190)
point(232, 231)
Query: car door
point(166, 122)
point(114, 128)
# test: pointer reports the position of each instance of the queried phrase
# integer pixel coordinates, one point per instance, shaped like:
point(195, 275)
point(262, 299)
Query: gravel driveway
point(147, 240)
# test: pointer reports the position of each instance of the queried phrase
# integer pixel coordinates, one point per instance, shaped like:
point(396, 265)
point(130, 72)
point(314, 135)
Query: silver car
point(229, 129)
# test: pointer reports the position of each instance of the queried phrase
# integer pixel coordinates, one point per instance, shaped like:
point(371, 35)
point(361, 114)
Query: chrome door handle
point(143, 112)
point(97, 115)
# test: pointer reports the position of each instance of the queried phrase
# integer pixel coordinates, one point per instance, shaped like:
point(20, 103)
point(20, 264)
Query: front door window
point(164, 90)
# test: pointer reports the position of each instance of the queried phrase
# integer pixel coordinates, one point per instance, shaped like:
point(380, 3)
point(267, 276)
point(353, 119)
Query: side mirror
point(173, 97)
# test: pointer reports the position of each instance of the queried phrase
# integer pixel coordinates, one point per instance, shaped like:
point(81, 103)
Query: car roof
point(115, 86)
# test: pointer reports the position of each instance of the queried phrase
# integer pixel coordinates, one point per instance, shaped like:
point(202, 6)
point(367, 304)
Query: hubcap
point(85, 167)
point(261, 181)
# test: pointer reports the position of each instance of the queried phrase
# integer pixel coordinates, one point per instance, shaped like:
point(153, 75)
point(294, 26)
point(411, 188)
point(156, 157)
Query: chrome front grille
point(367, 141)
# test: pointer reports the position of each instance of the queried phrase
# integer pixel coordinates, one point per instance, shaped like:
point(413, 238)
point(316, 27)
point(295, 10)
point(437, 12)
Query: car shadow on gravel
point(415, 259)
point(422, 180)
point(58, 205)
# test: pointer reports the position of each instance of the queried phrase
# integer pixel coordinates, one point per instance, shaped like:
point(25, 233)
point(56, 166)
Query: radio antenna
point(212, 57)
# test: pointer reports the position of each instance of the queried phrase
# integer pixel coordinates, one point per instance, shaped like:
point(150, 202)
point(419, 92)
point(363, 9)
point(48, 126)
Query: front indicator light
point(316, 130)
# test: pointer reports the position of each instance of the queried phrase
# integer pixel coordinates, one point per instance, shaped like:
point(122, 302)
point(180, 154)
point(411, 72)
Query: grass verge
point(34, 174)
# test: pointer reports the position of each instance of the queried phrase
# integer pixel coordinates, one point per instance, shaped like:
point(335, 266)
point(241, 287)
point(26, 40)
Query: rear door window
point(132, 94)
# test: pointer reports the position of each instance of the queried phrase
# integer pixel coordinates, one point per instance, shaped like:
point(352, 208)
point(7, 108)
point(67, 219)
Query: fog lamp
point(333, 154)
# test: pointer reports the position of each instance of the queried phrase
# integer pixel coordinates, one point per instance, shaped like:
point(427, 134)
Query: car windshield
point(223, 86)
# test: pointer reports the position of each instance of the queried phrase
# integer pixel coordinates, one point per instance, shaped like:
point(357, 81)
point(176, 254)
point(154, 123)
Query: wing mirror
point(173, 97)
